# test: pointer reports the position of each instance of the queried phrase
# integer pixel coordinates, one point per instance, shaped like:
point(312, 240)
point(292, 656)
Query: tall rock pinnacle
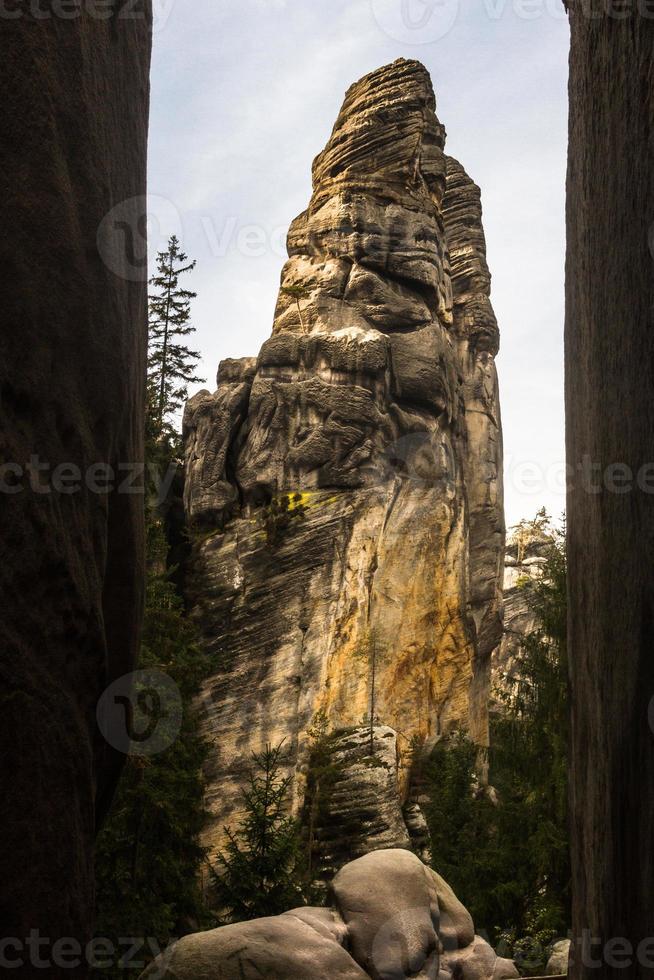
point(374, 405)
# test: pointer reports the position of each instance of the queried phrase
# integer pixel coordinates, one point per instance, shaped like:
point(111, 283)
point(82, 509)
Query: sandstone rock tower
point(346, 484)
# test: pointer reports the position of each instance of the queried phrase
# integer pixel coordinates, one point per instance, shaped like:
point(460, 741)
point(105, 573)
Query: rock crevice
point(352, 473)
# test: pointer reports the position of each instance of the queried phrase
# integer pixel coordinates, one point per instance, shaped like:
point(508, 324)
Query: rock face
point(72, 364)
point(360, 809)
point(523, 561)
point(610, 420)
point(391, 918)
point(346, 485)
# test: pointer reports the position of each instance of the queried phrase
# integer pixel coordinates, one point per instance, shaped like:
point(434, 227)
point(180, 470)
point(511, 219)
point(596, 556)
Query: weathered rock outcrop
point(359, 810)
point(346, 486)
point(391, 918)
point(523, 562)
point(72, 365)
point(610, 420)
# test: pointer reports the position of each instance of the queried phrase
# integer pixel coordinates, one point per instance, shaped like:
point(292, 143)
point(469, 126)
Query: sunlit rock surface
point(374, 405)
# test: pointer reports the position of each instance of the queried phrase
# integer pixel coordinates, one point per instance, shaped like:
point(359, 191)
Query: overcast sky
point(244, 95)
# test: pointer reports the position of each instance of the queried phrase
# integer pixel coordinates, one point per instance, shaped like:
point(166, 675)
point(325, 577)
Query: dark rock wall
point(72, 346)
point(610, 419)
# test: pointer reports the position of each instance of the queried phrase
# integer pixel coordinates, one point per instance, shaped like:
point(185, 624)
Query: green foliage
point(280, 514)
point(148, 854)
point(462, 820)
point(530, 748)
point(507, 857)
point(170, 362)
point(262, 870)
point(526, 531)
point(323, 775)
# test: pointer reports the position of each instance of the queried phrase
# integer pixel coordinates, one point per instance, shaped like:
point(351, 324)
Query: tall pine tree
point(149, 854)
point(171, 364)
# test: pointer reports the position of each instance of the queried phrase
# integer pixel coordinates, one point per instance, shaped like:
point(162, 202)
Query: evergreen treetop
point(171, 364)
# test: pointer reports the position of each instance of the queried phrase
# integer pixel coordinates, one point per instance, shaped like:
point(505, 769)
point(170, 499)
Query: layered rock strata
point(390, 917)
point(346, 484)
point(355, 808)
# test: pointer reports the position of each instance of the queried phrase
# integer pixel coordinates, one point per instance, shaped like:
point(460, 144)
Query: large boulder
point(557, 964)
point(476, 960)
point(284, 947)
point(389, 903)
point(392, 918)
point(72, 369)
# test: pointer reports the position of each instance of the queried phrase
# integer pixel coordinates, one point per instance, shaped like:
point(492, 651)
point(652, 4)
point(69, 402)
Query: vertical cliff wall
point(72, 365)
point(609, 337)
point(524, 562)
point(345, 487)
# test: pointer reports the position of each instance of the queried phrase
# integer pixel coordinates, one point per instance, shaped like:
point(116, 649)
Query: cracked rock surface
point(374, 407)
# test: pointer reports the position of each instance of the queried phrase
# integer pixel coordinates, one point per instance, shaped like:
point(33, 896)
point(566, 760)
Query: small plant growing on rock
point(527, 531)
point(297, 293)
point(366, 650)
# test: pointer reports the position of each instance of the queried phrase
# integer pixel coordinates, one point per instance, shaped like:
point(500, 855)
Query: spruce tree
point(366, 650)
point(171, 363)
point(529, 746)
point(148, 854)
point(261, 871)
